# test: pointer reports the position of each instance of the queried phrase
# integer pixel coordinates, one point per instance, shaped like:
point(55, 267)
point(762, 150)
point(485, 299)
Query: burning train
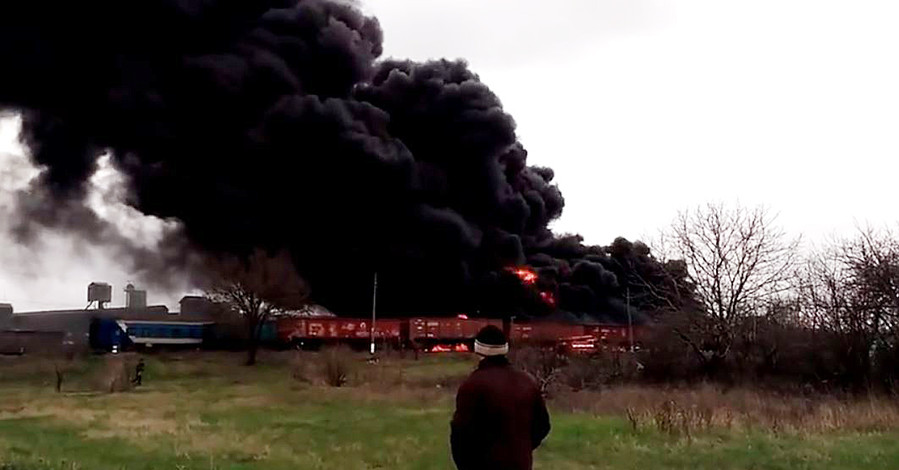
point(442, 334)
point(202, 324)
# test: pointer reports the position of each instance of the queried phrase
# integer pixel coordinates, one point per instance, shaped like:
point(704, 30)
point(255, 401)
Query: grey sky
point(643, 107)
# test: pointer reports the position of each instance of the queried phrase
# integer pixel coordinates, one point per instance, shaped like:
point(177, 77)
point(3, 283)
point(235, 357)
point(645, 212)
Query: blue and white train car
point(117, 335)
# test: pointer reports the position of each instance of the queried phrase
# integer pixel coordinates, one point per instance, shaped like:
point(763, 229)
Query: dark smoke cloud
point(269, 124)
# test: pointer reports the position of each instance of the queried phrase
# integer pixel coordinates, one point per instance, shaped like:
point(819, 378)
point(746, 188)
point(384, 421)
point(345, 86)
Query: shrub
point(337, 366)
point(592, 372)
point(114, 375)
point(585, 373)
point(299, 368)
point(544, 364)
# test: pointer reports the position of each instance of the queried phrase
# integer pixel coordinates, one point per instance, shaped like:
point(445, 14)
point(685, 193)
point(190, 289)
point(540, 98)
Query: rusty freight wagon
point(312, 333)
point(545, 332)
point(444, 334)
point(616, 336)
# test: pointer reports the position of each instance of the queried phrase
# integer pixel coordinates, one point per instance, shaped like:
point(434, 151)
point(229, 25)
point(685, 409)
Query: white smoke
point(54, 270)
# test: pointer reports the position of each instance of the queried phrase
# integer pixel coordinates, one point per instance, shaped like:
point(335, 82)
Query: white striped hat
point(491, 341)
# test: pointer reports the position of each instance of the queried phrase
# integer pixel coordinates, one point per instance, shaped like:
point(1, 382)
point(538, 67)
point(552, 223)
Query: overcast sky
point(643, 108)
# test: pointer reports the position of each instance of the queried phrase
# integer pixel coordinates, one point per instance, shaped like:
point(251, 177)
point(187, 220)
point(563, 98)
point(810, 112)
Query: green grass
point(208, 412)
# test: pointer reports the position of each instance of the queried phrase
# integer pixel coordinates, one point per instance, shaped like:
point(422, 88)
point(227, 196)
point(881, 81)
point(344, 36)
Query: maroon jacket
point(500, 418)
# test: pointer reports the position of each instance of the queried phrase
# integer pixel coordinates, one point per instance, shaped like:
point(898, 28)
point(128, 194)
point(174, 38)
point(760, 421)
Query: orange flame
point(442, 348)
point(529, 277)
point(526, 275)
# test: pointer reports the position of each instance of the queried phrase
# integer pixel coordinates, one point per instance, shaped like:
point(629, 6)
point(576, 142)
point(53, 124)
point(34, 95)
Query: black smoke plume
point(271, 124)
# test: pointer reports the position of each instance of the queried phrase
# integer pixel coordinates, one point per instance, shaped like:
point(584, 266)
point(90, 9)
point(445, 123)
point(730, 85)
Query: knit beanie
point(490, 341)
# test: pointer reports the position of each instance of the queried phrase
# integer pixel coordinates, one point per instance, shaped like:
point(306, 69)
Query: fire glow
point(529, 277)
point(440, 348)
point(526, 275)
point(548, 297)
point(582, 343)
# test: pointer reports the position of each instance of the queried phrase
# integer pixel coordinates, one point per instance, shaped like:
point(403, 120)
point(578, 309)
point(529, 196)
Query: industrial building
point(51, 330)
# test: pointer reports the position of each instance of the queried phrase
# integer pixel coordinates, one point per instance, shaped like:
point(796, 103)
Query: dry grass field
point(206, 411)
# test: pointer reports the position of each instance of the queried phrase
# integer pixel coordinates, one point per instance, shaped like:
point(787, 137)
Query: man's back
point(500, 418)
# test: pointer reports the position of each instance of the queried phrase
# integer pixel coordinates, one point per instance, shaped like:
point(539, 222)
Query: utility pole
point(630, 322)
point(374, 303)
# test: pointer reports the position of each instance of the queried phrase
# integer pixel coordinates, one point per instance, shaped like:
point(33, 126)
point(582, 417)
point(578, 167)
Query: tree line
point(742, 302)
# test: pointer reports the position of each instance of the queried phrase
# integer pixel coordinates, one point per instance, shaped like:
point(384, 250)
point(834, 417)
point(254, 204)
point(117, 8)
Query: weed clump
point(337, 365)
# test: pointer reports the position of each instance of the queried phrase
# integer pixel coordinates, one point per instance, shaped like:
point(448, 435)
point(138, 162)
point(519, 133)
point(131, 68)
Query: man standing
point(500, 414)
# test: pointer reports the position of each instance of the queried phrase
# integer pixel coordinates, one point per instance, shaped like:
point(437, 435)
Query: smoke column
point(272, 124)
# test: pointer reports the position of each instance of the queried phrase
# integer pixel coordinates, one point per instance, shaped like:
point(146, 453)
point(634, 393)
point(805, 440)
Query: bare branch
point(258, 288)
point(737, 259)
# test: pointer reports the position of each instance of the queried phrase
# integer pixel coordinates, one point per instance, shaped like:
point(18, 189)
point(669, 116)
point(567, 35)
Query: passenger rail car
point(116, 335)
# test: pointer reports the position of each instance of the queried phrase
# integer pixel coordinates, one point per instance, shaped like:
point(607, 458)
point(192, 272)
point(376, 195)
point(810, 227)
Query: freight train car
point(544, 333)
point(312, 333)
point(440, 334)
point(608, 334)
point(444, 334)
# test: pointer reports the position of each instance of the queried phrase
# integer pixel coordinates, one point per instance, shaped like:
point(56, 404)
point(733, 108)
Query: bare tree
point(873, 260)
point(258, 288)
point(738, 261)
point(850, 292)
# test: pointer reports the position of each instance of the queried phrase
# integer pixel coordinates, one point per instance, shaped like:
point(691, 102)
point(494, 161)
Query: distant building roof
point(311, 310)
point(151, 309)
point(78, 321)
